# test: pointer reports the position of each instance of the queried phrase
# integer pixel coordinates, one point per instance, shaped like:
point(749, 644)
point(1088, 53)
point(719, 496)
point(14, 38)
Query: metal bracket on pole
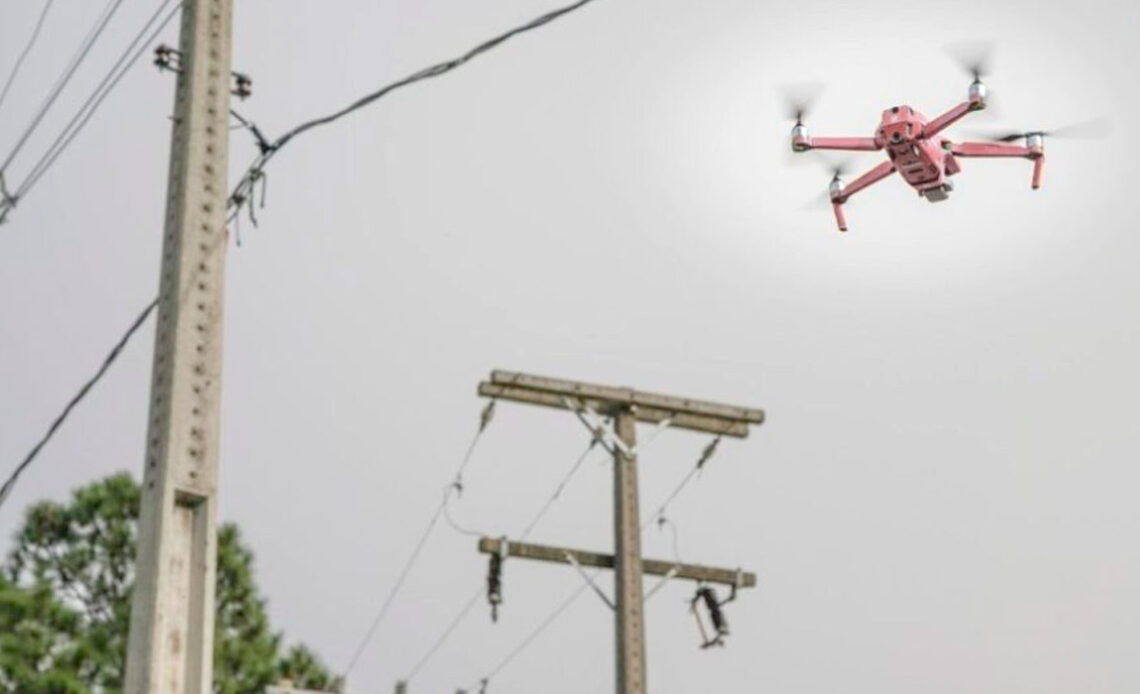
point(589, 579)
point(168, 58)
point(598, 428)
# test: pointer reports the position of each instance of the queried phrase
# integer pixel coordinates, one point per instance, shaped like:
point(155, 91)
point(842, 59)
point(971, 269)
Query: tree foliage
point(65, 603)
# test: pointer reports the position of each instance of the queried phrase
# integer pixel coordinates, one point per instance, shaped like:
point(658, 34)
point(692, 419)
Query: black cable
point(395, 589)
point(243, 190)
point(25, 52)
point(535, 633)
point(76, 60)
point(89, 107)
point(526, 533)
point(446, 633)
point(558, 490)
point(110, 359)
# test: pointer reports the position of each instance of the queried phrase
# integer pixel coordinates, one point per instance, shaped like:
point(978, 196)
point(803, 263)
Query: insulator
point(487, 415)
point(495, 585)
point(708, 452)
point(716, 615)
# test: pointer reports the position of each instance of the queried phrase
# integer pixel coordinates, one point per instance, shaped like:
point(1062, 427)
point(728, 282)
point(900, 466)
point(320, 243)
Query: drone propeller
point(799, 99)
point(1094, 129)
point(838, 168)
point(975, 57)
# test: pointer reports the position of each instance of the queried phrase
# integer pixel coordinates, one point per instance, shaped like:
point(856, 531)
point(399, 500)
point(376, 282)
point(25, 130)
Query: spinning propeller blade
point(799, 99)
point(1093, 129)
point(838, 168)
point(975, 57)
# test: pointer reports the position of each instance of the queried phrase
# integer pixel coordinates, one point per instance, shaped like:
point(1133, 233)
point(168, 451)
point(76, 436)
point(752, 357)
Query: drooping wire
point(451, 521)
point(243, 191)
point(55, 425)
point(455, 486)
point(125, 62)
point(76, 60)
point(24, 53)
point(454, 624)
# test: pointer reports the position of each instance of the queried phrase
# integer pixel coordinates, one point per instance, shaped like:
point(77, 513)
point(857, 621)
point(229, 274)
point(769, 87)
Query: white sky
point(943, 499)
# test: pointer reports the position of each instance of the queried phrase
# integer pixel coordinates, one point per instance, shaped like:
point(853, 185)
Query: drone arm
point(990, 149)
point(865, 181)
point(1001, 150)
point(851, 144)
point(952, 116)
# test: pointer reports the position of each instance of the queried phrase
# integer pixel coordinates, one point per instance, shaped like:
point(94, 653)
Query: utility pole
point(591, 403)
point(170, 650)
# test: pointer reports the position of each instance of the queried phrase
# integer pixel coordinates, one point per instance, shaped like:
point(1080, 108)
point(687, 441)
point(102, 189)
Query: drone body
point(916, 152)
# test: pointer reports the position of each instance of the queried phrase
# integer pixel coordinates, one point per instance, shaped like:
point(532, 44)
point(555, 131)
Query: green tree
point(65, 603)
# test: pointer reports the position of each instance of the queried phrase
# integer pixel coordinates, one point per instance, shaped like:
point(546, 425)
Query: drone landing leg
point(865, 181)
point(840, 219)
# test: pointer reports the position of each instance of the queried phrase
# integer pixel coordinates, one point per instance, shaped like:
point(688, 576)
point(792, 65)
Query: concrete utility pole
point(626, 407)
point(170, 650)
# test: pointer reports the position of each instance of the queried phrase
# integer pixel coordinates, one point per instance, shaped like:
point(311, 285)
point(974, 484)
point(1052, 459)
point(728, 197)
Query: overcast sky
point(943, 498)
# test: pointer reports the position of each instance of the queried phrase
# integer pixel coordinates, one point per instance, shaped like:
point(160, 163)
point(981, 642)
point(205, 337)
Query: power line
point(450, 629)
point(441, 509)
point(110, 359)
point(24, 53)
point(446, 634)
point(243, 191)
point(558, 490)
point(95, 100)
point(76, 60)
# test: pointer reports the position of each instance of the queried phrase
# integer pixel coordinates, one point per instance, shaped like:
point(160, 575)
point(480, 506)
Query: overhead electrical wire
point(125, 62)
point(24, 53)
point(76, 60)
point(254, 173)
point(467, 606)
point(440, 510)
point(243, 191)
point(6, 489)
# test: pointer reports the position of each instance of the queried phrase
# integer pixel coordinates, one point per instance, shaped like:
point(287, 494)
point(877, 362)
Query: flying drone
point(919, 154)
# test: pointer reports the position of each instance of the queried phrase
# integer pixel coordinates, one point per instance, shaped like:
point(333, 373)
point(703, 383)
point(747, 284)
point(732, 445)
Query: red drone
point(917, 152)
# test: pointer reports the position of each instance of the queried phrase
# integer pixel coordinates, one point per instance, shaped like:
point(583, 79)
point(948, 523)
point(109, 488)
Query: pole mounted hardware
point(593, 405)
point(167, 58)
point(718, 622)
point(732, 578)
point(495, 579)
